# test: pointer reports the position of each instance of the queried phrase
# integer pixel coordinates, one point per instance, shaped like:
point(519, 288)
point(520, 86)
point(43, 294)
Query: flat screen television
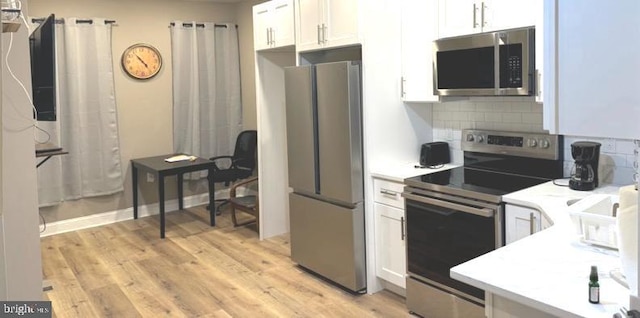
point(42, 42)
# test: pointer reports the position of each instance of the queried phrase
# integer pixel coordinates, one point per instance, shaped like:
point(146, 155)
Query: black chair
point(247, 204)
point(240, 165)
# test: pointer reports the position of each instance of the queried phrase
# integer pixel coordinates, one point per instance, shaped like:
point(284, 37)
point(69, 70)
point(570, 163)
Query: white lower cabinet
point(522, 221)
point(391, 261)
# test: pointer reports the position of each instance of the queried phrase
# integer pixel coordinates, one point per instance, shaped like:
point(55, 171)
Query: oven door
point(442, 234)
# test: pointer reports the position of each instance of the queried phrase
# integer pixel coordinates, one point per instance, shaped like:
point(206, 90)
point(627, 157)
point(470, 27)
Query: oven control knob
point(479, 138)
point(470, 137)
point(532, 143)
point(544, 143)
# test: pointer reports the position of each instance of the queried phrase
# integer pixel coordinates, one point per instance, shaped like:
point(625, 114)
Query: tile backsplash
point(523, 114)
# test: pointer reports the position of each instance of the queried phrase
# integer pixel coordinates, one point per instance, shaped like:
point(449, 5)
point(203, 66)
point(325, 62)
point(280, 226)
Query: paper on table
point(177, 158)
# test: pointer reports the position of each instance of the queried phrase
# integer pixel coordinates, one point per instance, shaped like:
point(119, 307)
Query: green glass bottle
point(594, 286)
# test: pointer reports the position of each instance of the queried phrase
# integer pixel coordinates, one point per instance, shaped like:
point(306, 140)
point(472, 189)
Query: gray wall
point(145, 108)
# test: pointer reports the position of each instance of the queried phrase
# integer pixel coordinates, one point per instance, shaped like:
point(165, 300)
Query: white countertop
point(549, 270)
point(398, 171)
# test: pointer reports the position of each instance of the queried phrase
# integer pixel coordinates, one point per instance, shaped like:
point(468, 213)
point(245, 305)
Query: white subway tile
point(461, 116)
point(467, 106)
point(477, 116)
point(532, 118)
point(625, 146)
point(622, 176)
point(493, 117)
point(630, 160)
point(616, 160)
point(484, 107)
point(512, 117)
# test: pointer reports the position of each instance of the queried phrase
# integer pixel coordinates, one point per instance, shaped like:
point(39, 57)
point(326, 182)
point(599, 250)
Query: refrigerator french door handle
point(482, 19)
point(496, 64)
point(475, 23)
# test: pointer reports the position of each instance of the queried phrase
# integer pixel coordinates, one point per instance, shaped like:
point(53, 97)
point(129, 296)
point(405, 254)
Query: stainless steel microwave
point(500, 63)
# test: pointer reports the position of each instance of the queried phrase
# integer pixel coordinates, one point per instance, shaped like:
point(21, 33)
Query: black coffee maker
point(584, 174)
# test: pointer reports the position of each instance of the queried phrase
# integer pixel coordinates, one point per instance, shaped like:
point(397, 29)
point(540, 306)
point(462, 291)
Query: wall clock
point(141, 61)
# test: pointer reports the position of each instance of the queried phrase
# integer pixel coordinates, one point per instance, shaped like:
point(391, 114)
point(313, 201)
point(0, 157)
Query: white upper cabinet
point(326, 23)
point(509, 14)
point(419, 30)
point(273, 24)
point(459, 17)
point(597, 69)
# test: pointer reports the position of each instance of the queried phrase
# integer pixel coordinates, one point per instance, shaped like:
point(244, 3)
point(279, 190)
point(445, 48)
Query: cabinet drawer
point(388, 192)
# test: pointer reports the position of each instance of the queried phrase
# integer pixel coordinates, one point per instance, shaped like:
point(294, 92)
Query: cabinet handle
point(268, 37)
point(273, 38)
point(402, 93)
point(324, 33)
point(319, 32)
point(475, 24)
point(531, 223)
point(402, 228)
point(484, 23)
point(388, 192)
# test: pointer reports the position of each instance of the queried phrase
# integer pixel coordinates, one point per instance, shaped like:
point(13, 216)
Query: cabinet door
point(458, 17)
point(391, 263)
point(340, 22)
point(508, 14)
point(283, 34)
point(261, 22)
point(308, 24)
point(419, 25)
point(520, 222)
point(598, 63)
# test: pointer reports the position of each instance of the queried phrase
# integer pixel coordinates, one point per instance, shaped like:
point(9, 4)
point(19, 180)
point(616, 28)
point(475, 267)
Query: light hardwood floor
point(126, 270)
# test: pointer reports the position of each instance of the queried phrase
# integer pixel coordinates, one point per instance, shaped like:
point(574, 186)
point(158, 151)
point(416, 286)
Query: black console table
point(160, 169)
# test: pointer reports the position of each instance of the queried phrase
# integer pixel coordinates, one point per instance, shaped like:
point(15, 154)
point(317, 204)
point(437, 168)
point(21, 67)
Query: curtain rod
point(200, 25)
point(61, 21)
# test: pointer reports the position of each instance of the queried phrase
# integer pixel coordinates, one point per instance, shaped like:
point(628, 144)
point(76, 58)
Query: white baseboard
point(94, 220)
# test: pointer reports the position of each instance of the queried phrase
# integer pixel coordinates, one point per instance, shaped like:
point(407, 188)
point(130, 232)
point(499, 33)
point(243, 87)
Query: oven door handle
point(445, 204)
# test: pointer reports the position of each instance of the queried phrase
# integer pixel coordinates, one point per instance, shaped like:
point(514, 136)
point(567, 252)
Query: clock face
point(141, 61)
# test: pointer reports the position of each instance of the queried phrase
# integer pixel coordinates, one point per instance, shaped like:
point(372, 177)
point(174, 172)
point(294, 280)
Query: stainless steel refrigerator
point(324, 147)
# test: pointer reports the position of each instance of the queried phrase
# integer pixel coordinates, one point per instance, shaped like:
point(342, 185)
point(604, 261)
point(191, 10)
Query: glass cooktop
point(475, 180)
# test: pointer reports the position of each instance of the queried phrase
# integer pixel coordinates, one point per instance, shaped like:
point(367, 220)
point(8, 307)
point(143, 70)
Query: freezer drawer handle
point(448, 205)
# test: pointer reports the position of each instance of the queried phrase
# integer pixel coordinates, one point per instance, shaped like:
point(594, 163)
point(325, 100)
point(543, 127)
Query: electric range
point(455, 215)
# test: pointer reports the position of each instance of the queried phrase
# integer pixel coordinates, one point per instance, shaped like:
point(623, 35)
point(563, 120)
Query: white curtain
point(87, 125)
point(207, 109)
